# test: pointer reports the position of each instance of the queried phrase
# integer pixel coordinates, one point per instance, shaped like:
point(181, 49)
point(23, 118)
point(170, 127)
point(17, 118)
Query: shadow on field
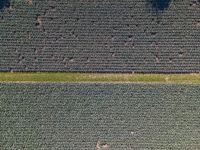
point(158, 5)
point(4, 4)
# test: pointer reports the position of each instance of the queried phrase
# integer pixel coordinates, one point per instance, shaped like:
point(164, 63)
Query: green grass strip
point(100, 77)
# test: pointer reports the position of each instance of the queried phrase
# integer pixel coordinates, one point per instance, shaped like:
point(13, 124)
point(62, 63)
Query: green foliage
point(99, 77)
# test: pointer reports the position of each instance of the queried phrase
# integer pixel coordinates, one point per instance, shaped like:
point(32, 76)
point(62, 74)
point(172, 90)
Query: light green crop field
point(100, 77)
point(87, 116)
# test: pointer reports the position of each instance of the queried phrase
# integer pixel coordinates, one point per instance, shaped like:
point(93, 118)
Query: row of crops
point(89, 116)
point(99, 36)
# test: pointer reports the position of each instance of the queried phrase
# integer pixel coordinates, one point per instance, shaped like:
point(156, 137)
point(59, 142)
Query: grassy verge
point(100, 77)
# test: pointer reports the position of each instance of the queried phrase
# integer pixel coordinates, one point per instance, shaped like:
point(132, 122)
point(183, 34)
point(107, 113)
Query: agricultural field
point(99, 116)
point(99, 74)
point(140, 36)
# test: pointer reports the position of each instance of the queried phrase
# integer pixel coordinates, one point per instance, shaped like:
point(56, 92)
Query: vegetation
point(95, 116)
point(99, 77)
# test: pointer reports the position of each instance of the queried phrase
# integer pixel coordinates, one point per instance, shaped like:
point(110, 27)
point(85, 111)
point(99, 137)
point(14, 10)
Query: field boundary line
point(51, 77)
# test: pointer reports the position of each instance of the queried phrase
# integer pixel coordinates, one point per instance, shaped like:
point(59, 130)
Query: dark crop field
point(141, 36)
point(99, 116)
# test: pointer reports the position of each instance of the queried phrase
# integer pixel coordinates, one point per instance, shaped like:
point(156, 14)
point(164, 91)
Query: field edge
point(19, 77)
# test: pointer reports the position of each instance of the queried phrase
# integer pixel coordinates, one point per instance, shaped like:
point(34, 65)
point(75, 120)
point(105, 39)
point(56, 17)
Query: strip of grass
point(99, 77)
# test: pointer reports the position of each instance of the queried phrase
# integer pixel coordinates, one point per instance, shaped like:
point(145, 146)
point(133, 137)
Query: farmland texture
point(99, 116)
point(145, 36)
